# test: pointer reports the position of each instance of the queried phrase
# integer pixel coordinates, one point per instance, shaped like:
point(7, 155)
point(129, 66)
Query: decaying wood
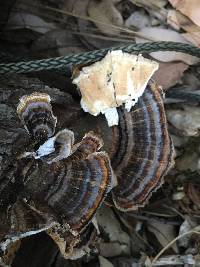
point(14, 139)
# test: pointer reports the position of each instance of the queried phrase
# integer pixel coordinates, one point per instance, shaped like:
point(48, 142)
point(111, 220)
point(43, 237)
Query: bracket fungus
point(142, 150)
point(36, 114)
point(60, 184)
point(119, 78)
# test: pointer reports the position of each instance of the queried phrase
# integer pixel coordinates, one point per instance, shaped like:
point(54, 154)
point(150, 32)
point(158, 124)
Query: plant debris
point(159, 228)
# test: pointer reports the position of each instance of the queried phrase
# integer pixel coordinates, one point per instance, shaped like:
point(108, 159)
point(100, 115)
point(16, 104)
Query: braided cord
point(59, 63)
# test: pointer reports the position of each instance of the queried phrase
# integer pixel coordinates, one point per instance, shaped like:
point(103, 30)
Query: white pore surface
point(112, 116)
point(46, 149)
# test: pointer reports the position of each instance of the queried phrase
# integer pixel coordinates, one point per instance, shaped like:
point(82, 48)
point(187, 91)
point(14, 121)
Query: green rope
point(59, 63)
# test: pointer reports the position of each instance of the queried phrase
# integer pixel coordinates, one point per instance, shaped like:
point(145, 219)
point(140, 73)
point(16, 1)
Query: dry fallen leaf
point(193, 37)
point(106, 12)
point(104, 262)
point(178, 21)
point(190, 8)
point(108, 222)
point(58, 43)
point(158, 34)
point(186, 119)
point(22, 20)
point(119, 78)
point(188, 161)
point(169, 74)
point(188, 224)
point(172, 19)
point(138, 19)
point(164, 233)
point(150, 3)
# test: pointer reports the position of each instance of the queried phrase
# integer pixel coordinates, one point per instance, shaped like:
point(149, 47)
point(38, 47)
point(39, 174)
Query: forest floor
point(166, 231)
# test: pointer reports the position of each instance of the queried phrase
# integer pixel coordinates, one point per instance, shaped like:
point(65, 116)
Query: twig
point(67, 13)
point(173, 241)
point(173, 260)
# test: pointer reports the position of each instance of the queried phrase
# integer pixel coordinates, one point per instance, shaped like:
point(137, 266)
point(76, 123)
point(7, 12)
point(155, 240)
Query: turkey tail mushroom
point(36, 114)
point(142, 150)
